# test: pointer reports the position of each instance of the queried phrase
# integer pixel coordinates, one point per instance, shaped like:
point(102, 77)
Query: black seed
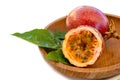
point(77, 54)
point(83, 61)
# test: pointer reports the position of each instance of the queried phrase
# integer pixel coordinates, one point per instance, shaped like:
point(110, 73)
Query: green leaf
point(47, 39)
point(57, 56)
point(40, 37)
point(59, 35)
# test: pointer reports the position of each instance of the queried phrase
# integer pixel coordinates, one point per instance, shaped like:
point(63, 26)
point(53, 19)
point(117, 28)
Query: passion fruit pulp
point(82, 46)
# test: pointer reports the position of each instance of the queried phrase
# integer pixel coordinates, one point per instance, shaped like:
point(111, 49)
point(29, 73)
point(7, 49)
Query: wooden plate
point(107, 65)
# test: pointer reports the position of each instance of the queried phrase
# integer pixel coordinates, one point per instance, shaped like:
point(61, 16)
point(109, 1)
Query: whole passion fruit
point(82, 45)
point(87, 15)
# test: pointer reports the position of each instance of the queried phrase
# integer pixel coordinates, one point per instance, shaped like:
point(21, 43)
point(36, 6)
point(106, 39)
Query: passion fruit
point(87, 15)
point(91, 16)
point(82, 46)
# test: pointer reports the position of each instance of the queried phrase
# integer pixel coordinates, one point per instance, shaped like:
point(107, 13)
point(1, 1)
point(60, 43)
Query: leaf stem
point(111, 33)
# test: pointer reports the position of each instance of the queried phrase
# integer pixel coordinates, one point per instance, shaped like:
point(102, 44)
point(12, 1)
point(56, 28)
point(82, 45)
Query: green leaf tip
point(57, 56)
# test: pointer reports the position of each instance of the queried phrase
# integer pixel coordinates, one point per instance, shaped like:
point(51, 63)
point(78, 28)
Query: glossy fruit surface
point(82, 45)
point(87, 15)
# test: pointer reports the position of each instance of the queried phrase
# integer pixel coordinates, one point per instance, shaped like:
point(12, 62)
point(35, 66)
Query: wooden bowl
point(107, 65)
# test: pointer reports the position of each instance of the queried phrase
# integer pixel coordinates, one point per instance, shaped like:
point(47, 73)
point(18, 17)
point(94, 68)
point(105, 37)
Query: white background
point(21, 60)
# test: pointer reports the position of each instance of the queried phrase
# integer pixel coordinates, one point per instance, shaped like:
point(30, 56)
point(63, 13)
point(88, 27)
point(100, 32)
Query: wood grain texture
point(107, 65)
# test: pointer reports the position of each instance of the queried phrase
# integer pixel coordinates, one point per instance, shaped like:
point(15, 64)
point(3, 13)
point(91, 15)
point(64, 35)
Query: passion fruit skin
point(87, 15)
point(96, 47)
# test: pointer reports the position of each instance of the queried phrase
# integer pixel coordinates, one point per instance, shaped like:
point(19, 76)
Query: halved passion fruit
point(82, 46)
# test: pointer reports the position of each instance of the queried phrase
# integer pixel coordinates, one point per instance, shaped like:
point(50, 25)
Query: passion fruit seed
point(82, 45)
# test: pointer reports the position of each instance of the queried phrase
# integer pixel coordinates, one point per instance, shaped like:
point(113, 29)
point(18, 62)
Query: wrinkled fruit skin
point(87, 15)
point(82, 46)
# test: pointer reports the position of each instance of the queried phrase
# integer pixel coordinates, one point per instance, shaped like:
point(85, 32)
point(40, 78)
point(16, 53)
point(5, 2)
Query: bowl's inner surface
point(111, 53)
